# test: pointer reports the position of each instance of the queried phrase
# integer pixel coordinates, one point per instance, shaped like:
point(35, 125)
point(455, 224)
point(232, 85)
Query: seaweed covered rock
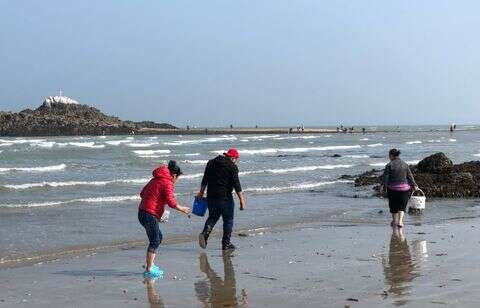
point(436, 163)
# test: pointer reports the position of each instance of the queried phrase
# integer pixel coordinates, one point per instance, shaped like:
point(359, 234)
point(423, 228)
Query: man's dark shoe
point(202, 240)
point(228, 246)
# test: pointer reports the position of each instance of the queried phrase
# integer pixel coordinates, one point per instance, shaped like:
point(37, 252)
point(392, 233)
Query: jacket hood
point(162, 172)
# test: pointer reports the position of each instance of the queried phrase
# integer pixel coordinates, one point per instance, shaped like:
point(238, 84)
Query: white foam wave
point(35, 169)
point(301, 186)
point(5, 144)
point(75, 183)
point(90, 145)
point(21, 141)
point(378, 164)
point(478, 155)
point(192, 176)
point(118, 142)
point(414, 142)
point(375, 145)
point(109, 199)
point(364, 139)
point(299, 137)
point(151, 152)
point(262, 137)
point(308, 168)
point(357, 156)
point(198, 141)
point(195, 162)
point(293, 150)
point(152, 156)
point(141, 145)
point(452, 140)
point(192, 154)
point(412, 162)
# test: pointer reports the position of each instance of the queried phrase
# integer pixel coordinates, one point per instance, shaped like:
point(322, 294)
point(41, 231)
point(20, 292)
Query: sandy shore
point(307, 265)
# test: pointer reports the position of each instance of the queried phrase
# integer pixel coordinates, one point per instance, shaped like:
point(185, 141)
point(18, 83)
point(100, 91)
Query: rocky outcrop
point(62, 116)
point(437, 163)
point(437, 176)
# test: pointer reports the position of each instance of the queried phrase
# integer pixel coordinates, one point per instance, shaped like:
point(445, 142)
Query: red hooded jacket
point(158, 192)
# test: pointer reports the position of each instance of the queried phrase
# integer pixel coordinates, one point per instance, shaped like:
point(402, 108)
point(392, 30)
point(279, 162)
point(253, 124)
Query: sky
point(246, 63)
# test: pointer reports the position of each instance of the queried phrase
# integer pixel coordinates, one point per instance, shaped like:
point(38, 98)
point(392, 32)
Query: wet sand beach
point(307, 265)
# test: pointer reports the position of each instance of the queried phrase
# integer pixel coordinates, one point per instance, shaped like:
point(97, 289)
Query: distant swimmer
point(398, 181)
point(221, 178)
point(155, 195)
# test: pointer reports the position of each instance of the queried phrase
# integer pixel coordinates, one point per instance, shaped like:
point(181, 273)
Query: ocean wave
point(21, 141)
point(477, 155)
point(5, 144)
point(452, 140)
point(192, 176)
point(35, 169)
point(293, 150)
point(410, 162)
point(118, 142)
point(294, 187)
point(262, 137)
point(364, 139)
point(90, 145)
point(414, 142)
point(151, 152)
point(298, 137)
point(75, 183)
point(195, 162)
point(357, 156)
point(198, 141)
point(308, 168)
point(374, 145)
point(192, 154)
point(378, 164)
point(109, 199)
point(141, 145)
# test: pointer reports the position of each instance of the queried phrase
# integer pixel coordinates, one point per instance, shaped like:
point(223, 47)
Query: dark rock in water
point(444, 180)
point(62, 116)
point(436, 163)
point(336, 155)
point(347, 177)
point(371, 177)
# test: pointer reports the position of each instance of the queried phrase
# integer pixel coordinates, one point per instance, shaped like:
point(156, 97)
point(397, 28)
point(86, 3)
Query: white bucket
point(417, 202)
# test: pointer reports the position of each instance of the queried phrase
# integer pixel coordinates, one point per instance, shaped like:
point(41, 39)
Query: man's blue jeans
point(220, 208)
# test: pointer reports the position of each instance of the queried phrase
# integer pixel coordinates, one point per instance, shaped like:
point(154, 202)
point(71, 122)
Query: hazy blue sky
point(247, 62)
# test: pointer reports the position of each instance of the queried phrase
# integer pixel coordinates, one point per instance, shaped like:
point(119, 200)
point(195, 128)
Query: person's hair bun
point(394, 152)
point(174, 168)
point(172, 164)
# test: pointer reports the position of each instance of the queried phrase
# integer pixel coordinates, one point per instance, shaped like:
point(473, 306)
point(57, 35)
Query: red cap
point(233, 153)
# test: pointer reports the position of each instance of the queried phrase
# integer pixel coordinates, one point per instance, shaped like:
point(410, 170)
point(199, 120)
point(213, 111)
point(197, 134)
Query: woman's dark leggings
point(150, 223)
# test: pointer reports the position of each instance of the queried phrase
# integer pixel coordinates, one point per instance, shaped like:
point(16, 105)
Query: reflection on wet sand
point(217, 292)
point(401, 269)
point(153, 298)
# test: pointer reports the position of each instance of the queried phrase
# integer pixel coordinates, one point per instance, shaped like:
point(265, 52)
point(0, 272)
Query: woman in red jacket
point(155, 195)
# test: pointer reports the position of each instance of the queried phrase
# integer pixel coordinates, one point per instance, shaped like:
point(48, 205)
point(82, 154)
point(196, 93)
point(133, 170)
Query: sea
point(61, 195)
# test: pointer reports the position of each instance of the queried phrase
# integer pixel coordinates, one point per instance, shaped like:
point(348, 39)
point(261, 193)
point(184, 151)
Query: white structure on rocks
point(59, 99)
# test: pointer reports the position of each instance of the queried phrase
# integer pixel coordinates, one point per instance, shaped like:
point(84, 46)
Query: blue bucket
point(200, 206)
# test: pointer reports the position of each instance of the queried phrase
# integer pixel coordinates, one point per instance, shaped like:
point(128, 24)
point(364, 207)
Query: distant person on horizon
point(397, 183)
point(221, 178)
point(155, 195)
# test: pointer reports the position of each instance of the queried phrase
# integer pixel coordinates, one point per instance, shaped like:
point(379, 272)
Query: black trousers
point(217, 208)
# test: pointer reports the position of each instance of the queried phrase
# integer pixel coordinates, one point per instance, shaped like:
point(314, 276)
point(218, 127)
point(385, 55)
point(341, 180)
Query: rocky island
point(63, 116)
point(437, 176)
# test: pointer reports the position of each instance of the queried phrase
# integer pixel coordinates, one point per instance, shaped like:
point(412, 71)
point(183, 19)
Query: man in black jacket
point(221, 178)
